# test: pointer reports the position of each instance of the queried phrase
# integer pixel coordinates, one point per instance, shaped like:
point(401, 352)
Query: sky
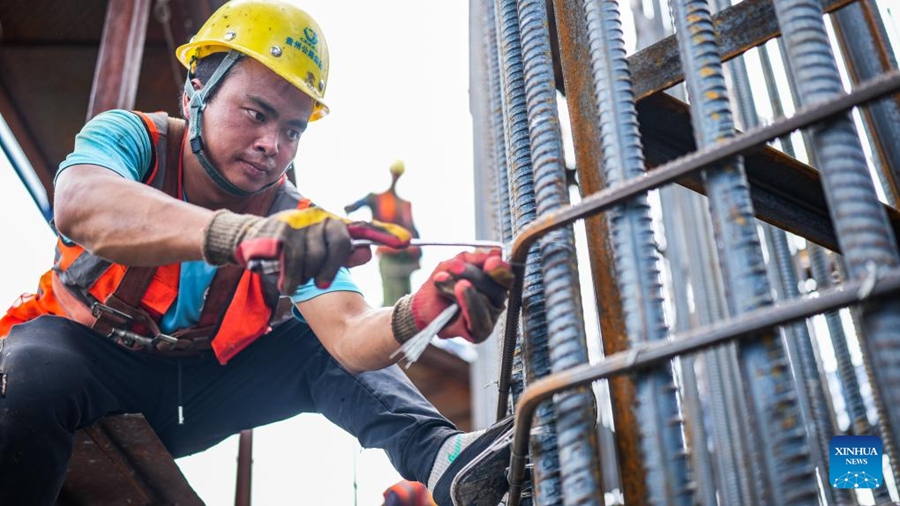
point(397, 89)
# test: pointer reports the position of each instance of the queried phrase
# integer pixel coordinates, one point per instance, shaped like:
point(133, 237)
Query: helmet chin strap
point(197, 105)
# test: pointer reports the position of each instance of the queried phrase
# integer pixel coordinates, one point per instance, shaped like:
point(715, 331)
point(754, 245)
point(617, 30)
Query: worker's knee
point(41, 378)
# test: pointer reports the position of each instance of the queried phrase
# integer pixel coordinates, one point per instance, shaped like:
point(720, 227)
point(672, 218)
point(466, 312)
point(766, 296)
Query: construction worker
point(153, 305)
point(396, 265)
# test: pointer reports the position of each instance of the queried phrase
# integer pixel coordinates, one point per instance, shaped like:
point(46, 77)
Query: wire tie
point(868, 284)
point(632, 356)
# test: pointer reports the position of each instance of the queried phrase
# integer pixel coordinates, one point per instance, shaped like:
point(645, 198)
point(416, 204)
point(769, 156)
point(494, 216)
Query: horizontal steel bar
point(602, 200)
point(358, 243)
point(739, 28)
point(785, 192)
point(646, 354)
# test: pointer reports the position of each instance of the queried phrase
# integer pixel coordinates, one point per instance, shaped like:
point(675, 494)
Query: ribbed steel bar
point(544, 449)
point(512, 355)
point(582, 107)
point(727, 395)
point(676, 223)
point(490, 203)
point(859, 220)
point(747, 24)
point(784, 473)
point(812, 403)
point(575, 409)
point(836, 331)
point(498, 134)
point(747, 327)
point(882, 428)
point(859, 423)
point(861, 34)
point(670, 172)
point(662, 463)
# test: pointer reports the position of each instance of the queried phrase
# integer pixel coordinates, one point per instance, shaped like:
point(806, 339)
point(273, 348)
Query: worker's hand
point(380, 232)
point(478, 282)
point(307, 244)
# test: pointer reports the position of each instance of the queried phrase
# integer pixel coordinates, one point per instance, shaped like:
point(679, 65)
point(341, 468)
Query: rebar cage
point(745, 315)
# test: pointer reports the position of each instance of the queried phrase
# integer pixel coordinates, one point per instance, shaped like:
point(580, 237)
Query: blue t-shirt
point(118, 141)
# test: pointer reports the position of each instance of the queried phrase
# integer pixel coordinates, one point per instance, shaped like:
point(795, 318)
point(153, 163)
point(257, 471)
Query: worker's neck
point(201, 190)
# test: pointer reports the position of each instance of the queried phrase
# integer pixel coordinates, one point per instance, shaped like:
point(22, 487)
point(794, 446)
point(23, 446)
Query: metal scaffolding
point(747, 313)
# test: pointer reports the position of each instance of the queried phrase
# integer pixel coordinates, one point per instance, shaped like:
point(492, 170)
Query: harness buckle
point(162, 341)
point(98, 308)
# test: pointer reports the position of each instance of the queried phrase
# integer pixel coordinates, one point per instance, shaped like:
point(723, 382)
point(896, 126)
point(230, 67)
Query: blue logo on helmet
point(311, 36)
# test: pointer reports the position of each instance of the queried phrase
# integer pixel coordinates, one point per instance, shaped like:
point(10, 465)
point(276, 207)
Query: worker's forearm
point(127, 222)
point(367, 343)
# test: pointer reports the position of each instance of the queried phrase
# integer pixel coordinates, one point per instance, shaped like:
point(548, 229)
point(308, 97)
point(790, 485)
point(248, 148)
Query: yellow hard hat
point(277, 34)
point(398, 168)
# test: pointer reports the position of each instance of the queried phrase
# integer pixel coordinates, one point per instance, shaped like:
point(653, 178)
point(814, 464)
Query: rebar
point(861, 34)
point(544, 449)
point(575, 409)
point(693, 275)
point(859, 423)
point(670, 172)
point(785, 474)
point(746, 327)
point(798, 343)
point(859, 219)
point(662, 462)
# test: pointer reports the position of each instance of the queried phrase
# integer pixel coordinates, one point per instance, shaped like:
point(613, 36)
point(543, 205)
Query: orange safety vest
point(127, 303)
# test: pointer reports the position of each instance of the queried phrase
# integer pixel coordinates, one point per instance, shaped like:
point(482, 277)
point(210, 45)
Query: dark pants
point(61, 376)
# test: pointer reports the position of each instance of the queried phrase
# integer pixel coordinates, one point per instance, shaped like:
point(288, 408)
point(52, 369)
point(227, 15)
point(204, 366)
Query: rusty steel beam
point(120, 460)
point(100, 435)
point(785, 192)
point(15, 120)
point(244, 469)
point(119, 59)
point(745, 327)
point(738, 28)
point(574, 57)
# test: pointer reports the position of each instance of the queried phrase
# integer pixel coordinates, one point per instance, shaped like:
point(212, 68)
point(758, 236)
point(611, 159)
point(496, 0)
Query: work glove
point(478, 282)
point(307, 244)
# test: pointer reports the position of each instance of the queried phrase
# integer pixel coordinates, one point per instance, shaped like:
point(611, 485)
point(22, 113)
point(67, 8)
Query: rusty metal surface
point(582, 106)
point(27, 21)
point(738, 28)
point(786, 193)
point(120, 460)
point(119, 60)
point(745, 327)
point(41, 35)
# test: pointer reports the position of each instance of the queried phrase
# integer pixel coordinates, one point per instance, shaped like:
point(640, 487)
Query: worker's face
point(253, 124)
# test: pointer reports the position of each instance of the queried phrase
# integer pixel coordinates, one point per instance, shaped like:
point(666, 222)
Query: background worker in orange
point(151, 306)
point(396, 265)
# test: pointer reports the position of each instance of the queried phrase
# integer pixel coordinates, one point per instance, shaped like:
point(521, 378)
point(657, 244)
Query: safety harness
point(120, 314)
point(126, 303)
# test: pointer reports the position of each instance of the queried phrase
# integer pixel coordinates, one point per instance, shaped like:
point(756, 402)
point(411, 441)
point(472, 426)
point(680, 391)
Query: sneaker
point(478, 476)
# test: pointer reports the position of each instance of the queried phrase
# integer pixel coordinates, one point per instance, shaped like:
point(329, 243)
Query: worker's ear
point(186, 101)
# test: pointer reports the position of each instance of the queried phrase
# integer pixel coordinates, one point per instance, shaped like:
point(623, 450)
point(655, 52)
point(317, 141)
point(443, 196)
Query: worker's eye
point(294, 134)
point(256, 115)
